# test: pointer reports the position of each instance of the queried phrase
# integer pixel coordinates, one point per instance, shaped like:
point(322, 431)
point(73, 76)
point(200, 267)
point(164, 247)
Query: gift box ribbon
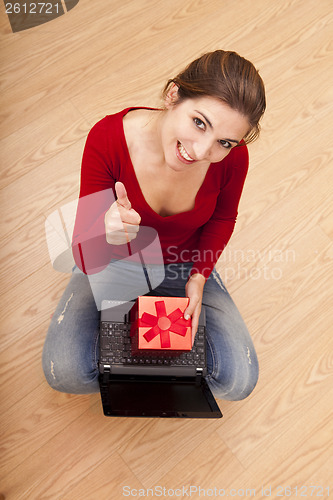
point(162, 324)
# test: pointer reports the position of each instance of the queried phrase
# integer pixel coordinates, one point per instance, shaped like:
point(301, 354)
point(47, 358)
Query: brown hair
point(229, 77)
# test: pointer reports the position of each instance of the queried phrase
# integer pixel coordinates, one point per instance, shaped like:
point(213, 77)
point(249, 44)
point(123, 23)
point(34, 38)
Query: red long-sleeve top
point(198, 235)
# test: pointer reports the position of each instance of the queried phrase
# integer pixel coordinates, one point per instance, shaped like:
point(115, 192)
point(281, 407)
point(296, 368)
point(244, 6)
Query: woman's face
point(197, 132)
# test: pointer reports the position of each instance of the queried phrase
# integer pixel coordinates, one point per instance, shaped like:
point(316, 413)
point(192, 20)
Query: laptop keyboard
point(115, 349)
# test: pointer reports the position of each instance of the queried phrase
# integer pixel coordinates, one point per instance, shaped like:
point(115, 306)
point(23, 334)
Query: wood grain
point(57, 80)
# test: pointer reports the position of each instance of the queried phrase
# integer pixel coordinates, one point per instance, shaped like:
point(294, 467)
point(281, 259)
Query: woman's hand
point(121, 220)
point(194, 290)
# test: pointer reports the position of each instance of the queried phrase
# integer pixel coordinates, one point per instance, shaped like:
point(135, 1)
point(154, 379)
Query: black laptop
point(151, 385)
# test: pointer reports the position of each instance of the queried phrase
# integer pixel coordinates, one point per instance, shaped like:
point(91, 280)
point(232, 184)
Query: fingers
point(121, 194)
point(190, 308)
point(194, 291)
point(193, 311)
point(195, 322)
point(117, 231)
point(120, 237)
point(121, 221)
point(128, 215)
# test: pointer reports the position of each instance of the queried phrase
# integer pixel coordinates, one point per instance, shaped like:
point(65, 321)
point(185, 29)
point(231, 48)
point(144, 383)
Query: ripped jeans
point(70, 354)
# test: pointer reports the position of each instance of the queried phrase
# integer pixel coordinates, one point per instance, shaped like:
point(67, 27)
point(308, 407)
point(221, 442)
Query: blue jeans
point(70, 354)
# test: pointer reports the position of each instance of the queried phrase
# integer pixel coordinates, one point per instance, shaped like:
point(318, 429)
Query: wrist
point(199, 278)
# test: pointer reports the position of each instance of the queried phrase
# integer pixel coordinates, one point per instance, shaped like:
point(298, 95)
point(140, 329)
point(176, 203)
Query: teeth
point(184, 153)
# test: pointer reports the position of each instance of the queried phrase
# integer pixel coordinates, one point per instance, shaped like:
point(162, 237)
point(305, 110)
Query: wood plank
point(41, 140)
point(212, 465)
point(326, 222)
point(35, 420)
point(82, 43)
point(76, 446)
point(256, 238)
point(103, 485)
point(57, 183)
point(72, 463)
point(297, 391)
point(57, 80)
point(313, 451)
point(289, 299)
point(143, 454)
point(223, 472)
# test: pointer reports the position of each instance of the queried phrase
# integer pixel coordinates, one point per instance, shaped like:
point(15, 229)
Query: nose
point(203, 150)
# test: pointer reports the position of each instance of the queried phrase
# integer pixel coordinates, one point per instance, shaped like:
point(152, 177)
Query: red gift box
point(158, 324)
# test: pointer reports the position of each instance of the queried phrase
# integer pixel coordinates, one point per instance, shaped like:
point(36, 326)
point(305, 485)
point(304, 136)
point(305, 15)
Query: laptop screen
point(158, 398)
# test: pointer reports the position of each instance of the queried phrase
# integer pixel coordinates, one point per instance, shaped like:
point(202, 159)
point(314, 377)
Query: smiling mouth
point(183, 153)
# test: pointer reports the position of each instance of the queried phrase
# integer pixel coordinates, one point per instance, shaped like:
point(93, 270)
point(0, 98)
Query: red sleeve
point(218, 230)
point(99, 173)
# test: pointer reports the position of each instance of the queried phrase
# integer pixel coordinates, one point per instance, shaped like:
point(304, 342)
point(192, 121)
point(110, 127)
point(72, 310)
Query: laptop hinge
point(198, 376)
point(106, 373)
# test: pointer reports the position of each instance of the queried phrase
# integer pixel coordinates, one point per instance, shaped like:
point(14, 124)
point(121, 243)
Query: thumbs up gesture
point(121, 220)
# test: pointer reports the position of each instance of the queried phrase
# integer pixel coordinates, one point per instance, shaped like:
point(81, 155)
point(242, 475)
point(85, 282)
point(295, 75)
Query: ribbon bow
point(162, 324)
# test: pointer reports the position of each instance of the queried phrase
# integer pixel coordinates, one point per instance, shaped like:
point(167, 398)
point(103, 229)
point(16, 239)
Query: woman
point(179, 170)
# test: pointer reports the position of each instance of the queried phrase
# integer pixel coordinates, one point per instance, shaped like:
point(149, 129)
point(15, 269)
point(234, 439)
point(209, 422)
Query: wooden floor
point(57, 80)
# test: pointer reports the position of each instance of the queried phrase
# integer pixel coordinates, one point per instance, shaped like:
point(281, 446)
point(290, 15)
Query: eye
point(199, 123)
point(225, 144)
